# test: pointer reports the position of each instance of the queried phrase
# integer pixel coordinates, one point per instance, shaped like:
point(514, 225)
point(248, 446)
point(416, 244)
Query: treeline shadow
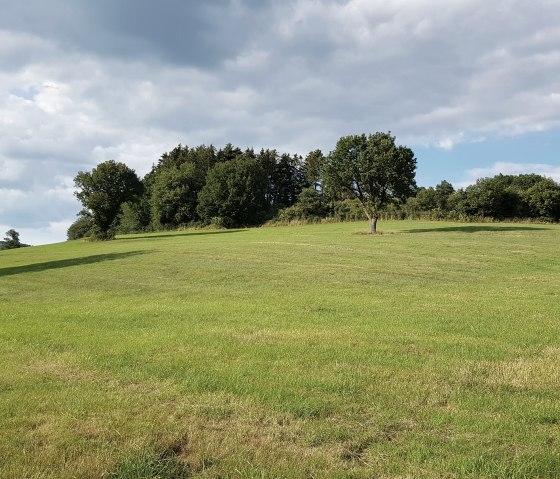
point(65, 263)
point(183, 233)
point(475, 229)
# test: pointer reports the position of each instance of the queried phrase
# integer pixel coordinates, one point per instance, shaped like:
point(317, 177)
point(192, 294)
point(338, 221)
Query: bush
point(348, 210)
point(311, 205)
point(98, 234)
point(81, 228)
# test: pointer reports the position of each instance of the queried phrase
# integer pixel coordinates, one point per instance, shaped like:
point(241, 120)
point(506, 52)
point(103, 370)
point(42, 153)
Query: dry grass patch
point(540, 372)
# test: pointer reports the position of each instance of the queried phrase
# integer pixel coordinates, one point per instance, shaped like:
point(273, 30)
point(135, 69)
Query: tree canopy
point(234, 193)
point(102, 192)
point(372, 169)
point(363, 177)
point(313, 169)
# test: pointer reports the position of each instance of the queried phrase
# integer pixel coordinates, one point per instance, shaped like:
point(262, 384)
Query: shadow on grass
point(65, 263)
point(181, 233)
point(476, 229)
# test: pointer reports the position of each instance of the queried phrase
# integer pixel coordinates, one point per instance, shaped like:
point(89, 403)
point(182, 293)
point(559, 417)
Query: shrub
point(81, 228)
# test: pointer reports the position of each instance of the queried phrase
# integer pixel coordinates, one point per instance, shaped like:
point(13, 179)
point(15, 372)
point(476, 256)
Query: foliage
point(235, 193)
point(434, 198)
point(171, 188)
point(134, 216)
point(11, 241)
point(349, 209)
point(287, 181)
point(502, 197)
point(267, 160)
point(444, 190)
point(544, 199)
point(82, 227)
point(313, 169)
point(102, 192)
point(489, 197)
point(203, 157)
point(228, 153)
point(372, 169)
point(311, 204)
point(363, 177)
point(174, 195)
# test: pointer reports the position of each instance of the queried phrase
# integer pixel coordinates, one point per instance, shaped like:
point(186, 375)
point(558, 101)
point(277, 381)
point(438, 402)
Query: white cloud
point(11, 170)
point(292, 75)
point(446, 143)
point(53, 98)
point(248, 61)
point(53, 232)
point(9, 198)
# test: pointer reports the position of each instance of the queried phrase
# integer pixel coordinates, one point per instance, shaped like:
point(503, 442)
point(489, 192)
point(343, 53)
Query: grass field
point(432, 350)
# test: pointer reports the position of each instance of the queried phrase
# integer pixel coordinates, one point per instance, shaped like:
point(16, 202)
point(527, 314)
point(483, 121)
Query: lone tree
point(372, 169)
point(103, 191)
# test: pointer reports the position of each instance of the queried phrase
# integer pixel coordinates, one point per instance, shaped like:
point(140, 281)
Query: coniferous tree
point(313, 169)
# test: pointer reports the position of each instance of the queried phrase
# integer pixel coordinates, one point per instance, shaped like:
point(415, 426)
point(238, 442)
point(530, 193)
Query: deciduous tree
point(544, 199)
point(175, 195)
point(372, 169)
point(102, 192)
point(234, 193)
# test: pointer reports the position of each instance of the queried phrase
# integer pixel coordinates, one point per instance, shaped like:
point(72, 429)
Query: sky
point(472, 86)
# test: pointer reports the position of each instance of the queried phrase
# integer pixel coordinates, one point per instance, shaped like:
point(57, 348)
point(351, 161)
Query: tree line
point(502, 197)
point(365, 176)
point(229, 187)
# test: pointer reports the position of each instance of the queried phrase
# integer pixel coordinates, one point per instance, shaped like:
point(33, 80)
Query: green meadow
point(429, 351)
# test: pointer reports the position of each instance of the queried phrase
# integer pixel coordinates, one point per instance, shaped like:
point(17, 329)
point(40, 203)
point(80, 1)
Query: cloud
point(176, 32)
point(54, 231)
point(84, 82)
point(11, 170)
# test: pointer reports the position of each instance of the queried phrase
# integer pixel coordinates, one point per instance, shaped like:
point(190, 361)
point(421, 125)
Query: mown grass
point(432, 350)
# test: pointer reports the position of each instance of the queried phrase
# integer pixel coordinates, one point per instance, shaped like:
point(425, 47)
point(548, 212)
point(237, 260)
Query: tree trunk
point(373, 225)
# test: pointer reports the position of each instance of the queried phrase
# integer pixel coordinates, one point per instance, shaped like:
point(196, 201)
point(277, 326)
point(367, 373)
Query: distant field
point(432, 350)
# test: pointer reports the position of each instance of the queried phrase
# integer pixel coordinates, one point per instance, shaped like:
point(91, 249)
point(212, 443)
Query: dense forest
point(231, 187)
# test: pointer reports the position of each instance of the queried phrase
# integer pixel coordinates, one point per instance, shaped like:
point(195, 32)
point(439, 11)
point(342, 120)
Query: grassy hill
point(432, 350)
